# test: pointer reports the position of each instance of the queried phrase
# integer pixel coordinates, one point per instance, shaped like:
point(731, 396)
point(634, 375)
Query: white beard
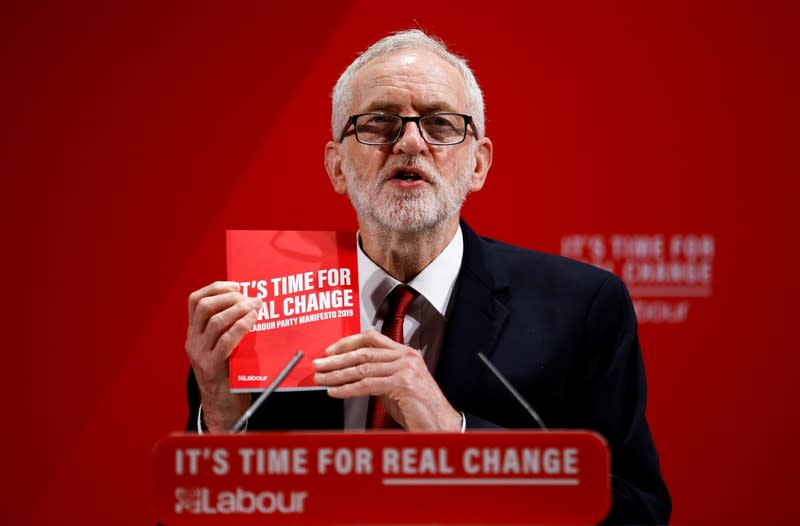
point(410, 211)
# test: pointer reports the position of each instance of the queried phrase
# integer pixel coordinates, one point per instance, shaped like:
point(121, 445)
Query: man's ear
point(483, 160)
point(333, 165)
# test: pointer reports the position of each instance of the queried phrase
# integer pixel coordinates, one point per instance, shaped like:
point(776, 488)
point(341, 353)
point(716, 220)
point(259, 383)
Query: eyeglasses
point(439, 129)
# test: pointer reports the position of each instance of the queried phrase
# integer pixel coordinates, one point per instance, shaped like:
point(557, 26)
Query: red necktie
point(400, 298)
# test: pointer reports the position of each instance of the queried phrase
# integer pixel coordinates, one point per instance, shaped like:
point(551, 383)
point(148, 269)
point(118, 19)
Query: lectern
point(382, 477)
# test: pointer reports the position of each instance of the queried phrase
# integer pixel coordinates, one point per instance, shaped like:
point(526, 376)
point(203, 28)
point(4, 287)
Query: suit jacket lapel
point(478, 316)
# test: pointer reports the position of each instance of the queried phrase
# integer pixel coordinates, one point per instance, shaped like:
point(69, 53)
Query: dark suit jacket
point(562, 332)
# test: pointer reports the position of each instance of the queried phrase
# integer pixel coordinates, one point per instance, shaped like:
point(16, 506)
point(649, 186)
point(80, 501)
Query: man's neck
point(404, 255)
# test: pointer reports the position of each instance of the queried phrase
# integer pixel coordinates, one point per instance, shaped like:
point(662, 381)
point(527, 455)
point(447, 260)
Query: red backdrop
point(134, 136)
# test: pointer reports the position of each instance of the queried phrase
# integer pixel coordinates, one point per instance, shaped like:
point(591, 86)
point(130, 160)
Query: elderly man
point(408, 146)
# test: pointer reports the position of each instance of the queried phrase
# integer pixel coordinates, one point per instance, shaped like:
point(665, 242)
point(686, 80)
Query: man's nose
point(410, 141)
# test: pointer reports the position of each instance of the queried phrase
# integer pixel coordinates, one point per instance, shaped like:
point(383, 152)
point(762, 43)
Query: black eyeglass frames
point(441, 128)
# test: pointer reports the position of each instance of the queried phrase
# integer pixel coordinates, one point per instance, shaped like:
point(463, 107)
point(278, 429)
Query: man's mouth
point(407, 176)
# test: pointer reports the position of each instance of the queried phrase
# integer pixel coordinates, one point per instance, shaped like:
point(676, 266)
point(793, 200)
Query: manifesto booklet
point(308, 284)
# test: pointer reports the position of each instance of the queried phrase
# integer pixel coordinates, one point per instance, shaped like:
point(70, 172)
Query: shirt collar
point(435, 283)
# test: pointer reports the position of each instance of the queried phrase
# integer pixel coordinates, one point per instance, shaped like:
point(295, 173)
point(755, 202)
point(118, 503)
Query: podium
point(382, 477)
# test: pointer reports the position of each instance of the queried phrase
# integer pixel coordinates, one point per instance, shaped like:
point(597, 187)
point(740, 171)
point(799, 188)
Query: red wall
point(132, 137)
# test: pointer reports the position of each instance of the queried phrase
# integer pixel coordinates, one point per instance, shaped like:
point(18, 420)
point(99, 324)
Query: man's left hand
point(372, 364)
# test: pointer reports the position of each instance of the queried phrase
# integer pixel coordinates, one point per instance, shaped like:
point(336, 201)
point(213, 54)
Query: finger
point(211, 305)
point(230, 339)
point(371, 386)
point(370, 338)
point(355, 374)
point(223, 320)
point(218, 287)
point(406, 373)
point(352, 358)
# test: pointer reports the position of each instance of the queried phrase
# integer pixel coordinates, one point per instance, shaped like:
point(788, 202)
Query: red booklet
point(308, 283)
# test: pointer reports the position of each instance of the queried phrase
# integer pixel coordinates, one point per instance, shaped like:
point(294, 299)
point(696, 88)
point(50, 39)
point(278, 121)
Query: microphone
point(268, 391)
point(510, 389)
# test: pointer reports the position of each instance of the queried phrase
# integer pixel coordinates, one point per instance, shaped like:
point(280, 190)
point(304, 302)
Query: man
point(408, 146)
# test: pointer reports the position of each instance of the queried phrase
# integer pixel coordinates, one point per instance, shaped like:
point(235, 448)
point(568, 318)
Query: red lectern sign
point(520, 477)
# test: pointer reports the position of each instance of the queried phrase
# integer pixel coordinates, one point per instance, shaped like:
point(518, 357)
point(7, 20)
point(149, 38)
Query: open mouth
point(407, 176)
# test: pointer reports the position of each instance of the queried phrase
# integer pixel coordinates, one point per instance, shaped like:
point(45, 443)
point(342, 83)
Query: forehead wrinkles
point(417, 79)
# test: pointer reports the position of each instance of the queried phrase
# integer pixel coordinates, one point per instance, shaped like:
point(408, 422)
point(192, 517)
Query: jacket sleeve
point(608, 395)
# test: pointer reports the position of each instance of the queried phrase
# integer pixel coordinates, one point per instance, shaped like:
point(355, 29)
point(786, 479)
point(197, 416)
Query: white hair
point(342, 94)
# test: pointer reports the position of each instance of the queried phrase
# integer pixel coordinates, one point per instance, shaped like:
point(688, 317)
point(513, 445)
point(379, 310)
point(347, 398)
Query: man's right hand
point(219, 317)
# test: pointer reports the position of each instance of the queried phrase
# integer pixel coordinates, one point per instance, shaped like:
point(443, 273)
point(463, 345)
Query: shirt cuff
point(201, 423)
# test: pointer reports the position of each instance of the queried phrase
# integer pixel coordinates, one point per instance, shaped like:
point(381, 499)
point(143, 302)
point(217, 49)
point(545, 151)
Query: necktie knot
point(400, 299)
